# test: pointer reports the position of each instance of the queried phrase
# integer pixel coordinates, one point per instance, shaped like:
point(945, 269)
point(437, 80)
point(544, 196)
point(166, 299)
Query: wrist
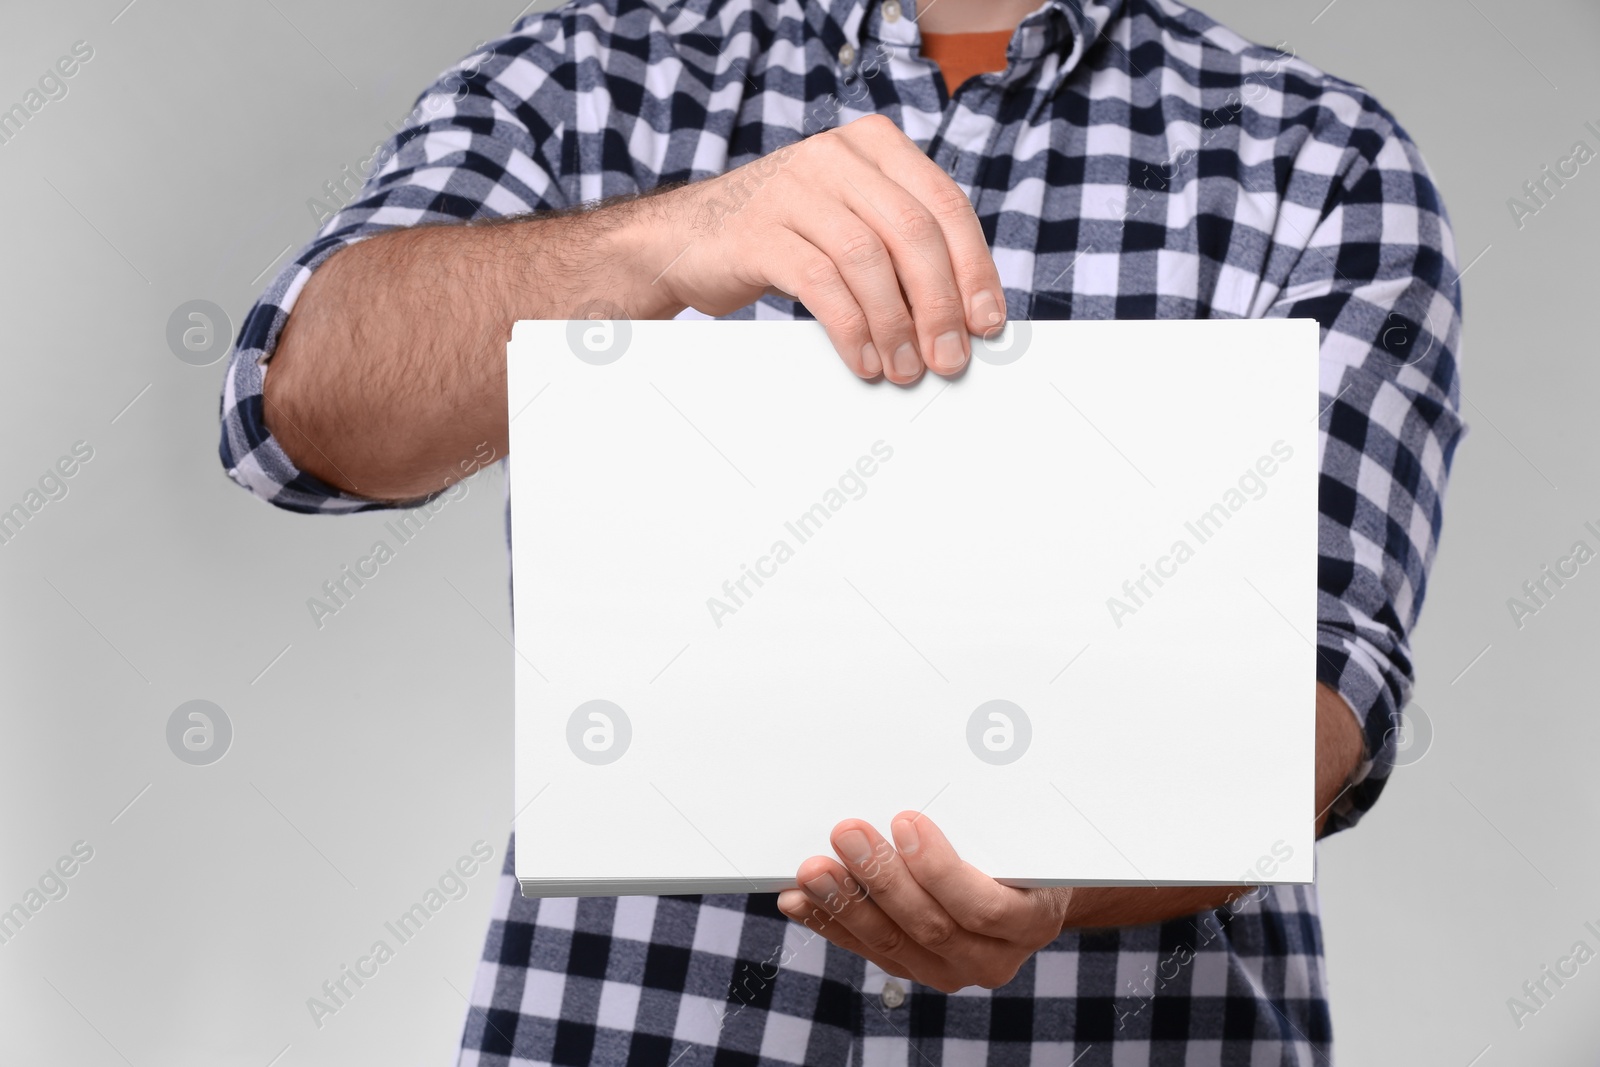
point(640, 240)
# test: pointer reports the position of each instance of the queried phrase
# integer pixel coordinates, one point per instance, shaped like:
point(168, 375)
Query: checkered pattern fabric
point(697, 981)
point(1134, 160)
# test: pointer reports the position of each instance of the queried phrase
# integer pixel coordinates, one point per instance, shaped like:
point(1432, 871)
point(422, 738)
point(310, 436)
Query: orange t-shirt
point(961, 55)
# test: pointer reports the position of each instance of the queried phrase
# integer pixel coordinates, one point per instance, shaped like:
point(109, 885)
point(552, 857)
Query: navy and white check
point(1135, 160)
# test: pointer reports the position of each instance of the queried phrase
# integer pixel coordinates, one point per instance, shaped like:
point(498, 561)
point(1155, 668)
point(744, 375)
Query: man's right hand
point(861, 227)
point(391, 368)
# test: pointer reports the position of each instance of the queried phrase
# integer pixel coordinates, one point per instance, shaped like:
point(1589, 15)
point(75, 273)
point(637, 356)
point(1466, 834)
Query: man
point(1083, 158)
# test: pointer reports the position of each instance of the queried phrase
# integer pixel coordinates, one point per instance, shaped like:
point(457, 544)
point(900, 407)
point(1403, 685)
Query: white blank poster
point(1064, 604)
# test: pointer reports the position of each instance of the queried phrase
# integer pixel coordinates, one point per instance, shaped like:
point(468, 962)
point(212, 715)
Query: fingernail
point(905, 836)
point(854, 847)
point(987, 310)
point(824, 888)
point(948, 352)
point(906, 361)
point(869, 359)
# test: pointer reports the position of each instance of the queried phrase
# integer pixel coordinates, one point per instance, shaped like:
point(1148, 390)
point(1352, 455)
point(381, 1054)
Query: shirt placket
point(890, 42)
point(886, 1038)
point(955, 136)
point(969, 132)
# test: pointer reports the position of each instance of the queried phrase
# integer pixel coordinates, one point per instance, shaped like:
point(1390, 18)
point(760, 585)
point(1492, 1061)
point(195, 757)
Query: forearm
point(391, 368)
point(1339, 750)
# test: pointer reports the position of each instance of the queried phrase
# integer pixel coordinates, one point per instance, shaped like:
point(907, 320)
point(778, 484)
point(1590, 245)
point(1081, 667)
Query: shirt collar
point(1064, 29)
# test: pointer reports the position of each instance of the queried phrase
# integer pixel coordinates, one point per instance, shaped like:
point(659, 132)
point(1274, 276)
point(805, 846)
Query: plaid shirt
point(1134, 160)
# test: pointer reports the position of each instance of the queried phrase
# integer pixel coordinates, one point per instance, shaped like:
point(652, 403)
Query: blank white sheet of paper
point(1063, 604)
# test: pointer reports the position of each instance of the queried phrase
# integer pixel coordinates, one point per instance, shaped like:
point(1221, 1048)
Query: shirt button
point(891, 10)
point(894, 994)
point(847, 55)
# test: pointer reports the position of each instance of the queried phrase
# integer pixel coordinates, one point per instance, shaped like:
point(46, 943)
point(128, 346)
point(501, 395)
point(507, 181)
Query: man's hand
point(926, 915)
point(393, 365)
point(857, 224)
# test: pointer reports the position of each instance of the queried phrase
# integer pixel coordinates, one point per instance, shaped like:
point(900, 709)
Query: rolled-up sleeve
point(1378, 272)
point(484, 141)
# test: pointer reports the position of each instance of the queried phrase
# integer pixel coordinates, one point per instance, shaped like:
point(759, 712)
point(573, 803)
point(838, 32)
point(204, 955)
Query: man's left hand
point(918, 911)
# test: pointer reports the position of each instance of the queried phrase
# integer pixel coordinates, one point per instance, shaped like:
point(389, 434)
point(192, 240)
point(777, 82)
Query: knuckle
point(889, 941)
point(995, 976)
point(936, 932)
point(887, 876)
point(939, 307)
point(948, 201)
point(819, 273)
point(914, 223)
point(835, 906)
point(986, 918)
point(973, 264)
point(851, 895)
point(852, 325)
point(862, 250)
point(891, 321)
point(877, 123)
point(830, 147)
point(877, 880)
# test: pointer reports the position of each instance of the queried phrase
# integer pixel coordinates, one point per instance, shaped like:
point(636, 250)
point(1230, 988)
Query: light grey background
point(370, 755)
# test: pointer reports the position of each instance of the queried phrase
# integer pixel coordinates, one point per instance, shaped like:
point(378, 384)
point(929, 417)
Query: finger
point(975, 272)
point(869, 268)
point(800, 907)
point(971, 898)
point(921, 259)
point(850, 906)
point(905, 904)
point(805, 272)
point(915, 242)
